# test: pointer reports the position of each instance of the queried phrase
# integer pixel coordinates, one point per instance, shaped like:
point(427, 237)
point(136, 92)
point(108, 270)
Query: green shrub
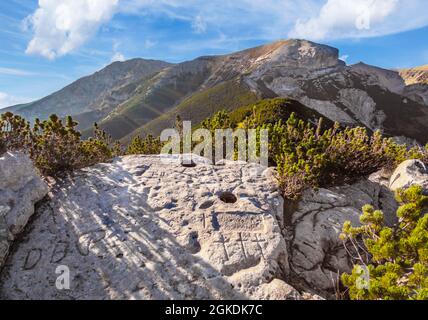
point(15, 132)
point(221, 120)
point(53, 146)
point(397, 257)
point(420, 153)
point(149, 145)
point(308, 155)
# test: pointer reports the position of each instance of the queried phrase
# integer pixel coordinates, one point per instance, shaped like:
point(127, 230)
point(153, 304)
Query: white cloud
point(345, 57)
point(118, 57)
point(8, 100)
point(62, 26)
point(362, 18)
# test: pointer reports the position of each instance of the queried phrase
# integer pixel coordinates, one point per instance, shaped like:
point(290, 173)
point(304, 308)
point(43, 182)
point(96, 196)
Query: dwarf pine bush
point(308, 155)
point(148, 145)
point(55, 146)
point(397, 257)
point(397, 263)
point(221, 120)
point(15, 132)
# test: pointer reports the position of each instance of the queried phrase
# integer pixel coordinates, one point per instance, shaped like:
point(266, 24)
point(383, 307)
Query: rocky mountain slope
point(313, 75)
point(415, 75)
point(305, 71)
point(91, 98)
point(417, 83)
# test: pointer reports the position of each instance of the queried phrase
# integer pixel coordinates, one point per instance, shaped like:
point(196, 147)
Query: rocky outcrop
point(20, 189)
point(417, 83)
point(140, 228)
point(363, 107)
point(384, 78)
point(317, 255)
point(418, 93)
point(417, 75)
point(410, 172)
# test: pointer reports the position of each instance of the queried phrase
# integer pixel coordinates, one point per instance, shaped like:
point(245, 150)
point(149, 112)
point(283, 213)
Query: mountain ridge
point(310, 73)
point(89, 93)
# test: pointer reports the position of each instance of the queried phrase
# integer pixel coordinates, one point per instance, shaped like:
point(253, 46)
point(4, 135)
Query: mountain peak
point(295, 53)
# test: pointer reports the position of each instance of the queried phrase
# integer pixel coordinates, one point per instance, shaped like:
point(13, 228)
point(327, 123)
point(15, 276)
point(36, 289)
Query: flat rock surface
point(138, 228)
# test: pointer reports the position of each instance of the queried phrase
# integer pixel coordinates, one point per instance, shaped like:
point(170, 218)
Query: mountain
point(417, 83)
point(415, 75)
point(149, 100)
point(314, 75)
point(92, 98)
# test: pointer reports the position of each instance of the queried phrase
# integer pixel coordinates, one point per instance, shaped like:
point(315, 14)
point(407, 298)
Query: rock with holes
point(143, 227)
point(410, 172)
point(20, 189)
point(317, 255)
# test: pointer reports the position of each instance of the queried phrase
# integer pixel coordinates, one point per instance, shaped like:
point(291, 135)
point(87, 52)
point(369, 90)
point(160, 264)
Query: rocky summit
point(152, 227)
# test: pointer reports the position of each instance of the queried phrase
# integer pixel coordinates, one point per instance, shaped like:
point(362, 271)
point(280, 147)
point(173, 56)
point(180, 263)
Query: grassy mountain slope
point(156, 96)
point(273, 110)
point(266, 111)
point(225, 96)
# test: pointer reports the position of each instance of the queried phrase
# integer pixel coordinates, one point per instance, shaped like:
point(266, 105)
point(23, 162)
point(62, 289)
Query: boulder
point(317, 255)
point(143, 227)
point(20, 189)
point(410, 172)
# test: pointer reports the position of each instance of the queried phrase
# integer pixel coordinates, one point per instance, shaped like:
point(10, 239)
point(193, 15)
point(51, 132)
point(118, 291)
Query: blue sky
point(47, 44)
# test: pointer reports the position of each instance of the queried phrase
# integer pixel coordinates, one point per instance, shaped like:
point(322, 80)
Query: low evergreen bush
point(392, 263)
point(54, 146)
point(148, 145)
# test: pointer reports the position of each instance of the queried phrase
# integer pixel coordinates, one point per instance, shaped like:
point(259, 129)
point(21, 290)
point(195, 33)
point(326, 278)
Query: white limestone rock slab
point(138, 228)
point(20, 189)
point(317, 255)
